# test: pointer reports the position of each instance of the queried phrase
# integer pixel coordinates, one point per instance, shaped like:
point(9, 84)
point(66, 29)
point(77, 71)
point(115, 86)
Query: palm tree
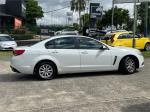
point(78, 6)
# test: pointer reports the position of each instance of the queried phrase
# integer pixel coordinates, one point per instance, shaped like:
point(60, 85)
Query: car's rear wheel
point(46, 70)
point(128, 65)
point(147, 47)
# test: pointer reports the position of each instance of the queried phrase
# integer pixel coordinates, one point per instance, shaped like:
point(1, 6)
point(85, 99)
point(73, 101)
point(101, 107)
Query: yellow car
point(126, 39)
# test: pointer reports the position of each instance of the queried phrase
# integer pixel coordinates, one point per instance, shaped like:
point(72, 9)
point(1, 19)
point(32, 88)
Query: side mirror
point(102, 47)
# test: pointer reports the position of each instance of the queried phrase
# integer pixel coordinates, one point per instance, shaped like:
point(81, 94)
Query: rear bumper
point(20, 66)
point(14, 69)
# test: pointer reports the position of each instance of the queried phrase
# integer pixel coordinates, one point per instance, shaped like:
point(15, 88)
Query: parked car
point(69, 31)
point(126, 39)
point(6, 42)
point(74, 54)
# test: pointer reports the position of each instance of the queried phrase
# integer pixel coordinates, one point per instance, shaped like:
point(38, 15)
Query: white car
point(6, 42)
point(74, 54)
point(69, 31)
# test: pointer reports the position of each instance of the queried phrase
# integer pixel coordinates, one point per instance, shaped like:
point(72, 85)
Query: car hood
point(125, 48)
point(8, 42)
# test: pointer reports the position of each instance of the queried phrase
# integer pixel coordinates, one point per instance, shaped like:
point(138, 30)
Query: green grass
point(5, 53)
point(146, 54)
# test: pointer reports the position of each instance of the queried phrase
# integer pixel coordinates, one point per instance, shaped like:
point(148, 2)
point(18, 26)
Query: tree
point(85, 20)
point(121, 16)
point(33, 12)
point(142, 16)
point(78, 6)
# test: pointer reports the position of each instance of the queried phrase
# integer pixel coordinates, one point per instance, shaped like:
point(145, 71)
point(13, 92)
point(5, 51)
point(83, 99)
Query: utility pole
point(112, 19)
point(135, 25)
point(146, 19)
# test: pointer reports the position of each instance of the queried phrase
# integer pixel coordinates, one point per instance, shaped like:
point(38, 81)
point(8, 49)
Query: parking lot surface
point(87, 92)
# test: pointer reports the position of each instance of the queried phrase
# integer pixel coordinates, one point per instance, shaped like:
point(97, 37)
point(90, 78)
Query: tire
point(147, 47)
point(127, 65)
point(45, 70)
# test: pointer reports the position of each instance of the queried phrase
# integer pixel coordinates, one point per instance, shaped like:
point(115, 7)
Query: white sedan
point(74, 54)
point(6, 42)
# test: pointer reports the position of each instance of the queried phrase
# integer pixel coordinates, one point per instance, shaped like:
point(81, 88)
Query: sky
point(59, 17)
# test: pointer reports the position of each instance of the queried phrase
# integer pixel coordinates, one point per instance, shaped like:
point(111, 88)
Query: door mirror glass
point(102, 47)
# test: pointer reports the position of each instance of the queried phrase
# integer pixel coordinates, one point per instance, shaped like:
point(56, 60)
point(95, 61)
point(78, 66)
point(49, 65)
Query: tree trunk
point(79, 19)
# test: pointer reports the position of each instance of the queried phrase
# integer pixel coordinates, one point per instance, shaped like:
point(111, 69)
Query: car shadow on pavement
point(95, 74)
point(21, 77)
point(16, 77)
point(144, 107)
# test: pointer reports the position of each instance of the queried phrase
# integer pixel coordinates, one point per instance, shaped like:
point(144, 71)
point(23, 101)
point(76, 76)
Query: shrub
point(22, 37)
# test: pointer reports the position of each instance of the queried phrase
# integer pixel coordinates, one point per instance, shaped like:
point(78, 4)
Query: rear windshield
point(5, 38)
point(107, 37)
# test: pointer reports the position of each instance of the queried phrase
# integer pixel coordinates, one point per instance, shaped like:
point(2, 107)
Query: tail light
point(18, 52)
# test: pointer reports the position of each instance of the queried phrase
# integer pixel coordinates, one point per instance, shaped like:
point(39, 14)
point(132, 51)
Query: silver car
point(6, 42)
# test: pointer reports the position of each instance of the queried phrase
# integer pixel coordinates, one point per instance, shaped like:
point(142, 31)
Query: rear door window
point(125, 36)
point(61, 43)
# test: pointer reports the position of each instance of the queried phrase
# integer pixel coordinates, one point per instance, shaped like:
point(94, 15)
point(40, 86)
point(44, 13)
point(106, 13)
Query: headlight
point(3, 45)
point(139, 52)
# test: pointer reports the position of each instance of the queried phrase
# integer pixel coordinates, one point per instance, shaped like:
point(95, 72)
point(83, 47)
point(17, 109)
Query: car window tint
point(65, 43)
point(50, 44)
point(87, 43)
point(125, 36)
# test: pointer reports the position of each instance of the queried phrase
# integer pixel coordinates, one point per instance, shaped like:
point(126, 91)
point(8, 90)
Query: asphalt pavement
point(88, 92)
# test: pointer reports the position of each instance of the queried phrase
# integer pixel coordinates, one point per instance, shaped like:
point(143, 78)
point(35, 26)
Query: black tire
point(147, 47)
point(45, 70)
point(128, 65)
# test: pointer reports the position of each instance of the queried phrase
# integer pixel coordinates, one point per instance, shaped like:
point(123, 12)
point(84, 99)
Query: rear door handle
point(84, 52)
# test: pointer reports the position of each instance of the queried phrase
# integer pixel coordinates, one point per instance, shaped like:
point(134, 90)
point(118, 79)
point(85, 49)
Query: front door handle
point(55, 52)
point(84, 52)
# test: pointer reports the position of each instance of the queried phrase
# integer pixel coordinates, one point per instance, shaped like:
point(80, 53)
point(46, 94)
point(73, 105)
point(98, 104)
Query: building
point(12, 14)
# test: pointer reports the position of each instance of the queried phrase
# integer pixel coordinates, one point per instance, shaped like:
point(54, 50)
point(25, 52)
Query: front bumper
point(8, 47)
point(141, 61)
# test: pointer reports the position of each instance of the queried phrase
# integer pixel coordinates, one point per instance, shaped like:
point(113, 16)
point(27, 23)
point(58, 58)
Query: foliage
point(121, 16)
point(141, 16)
point(78, 6)
point(22, 37)
point(22, 30)
point(33, 11)
point(76, 26)
point(85, 20)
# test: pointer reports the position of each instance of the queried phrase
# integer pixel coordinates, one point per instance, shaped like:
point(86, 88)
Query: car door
point(124, 40)
point(140, 42)
point(92, 57)
point(64, 51)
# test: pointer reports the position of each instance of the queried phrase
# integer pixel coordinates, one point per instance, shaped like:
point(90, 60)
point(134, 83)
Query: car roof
point(4, 35)
point(120, 32)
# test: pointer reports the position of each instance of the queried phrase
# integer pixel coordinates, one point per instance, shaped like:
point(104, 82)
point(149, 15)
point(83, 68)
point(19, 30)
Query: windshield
point(5, 38)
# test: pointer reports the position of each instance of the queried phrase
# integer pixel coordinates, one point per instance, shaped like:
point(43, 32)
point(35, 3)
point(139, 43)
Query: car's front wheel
point(128, 65)
point(147, 47)
point(45, 70)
